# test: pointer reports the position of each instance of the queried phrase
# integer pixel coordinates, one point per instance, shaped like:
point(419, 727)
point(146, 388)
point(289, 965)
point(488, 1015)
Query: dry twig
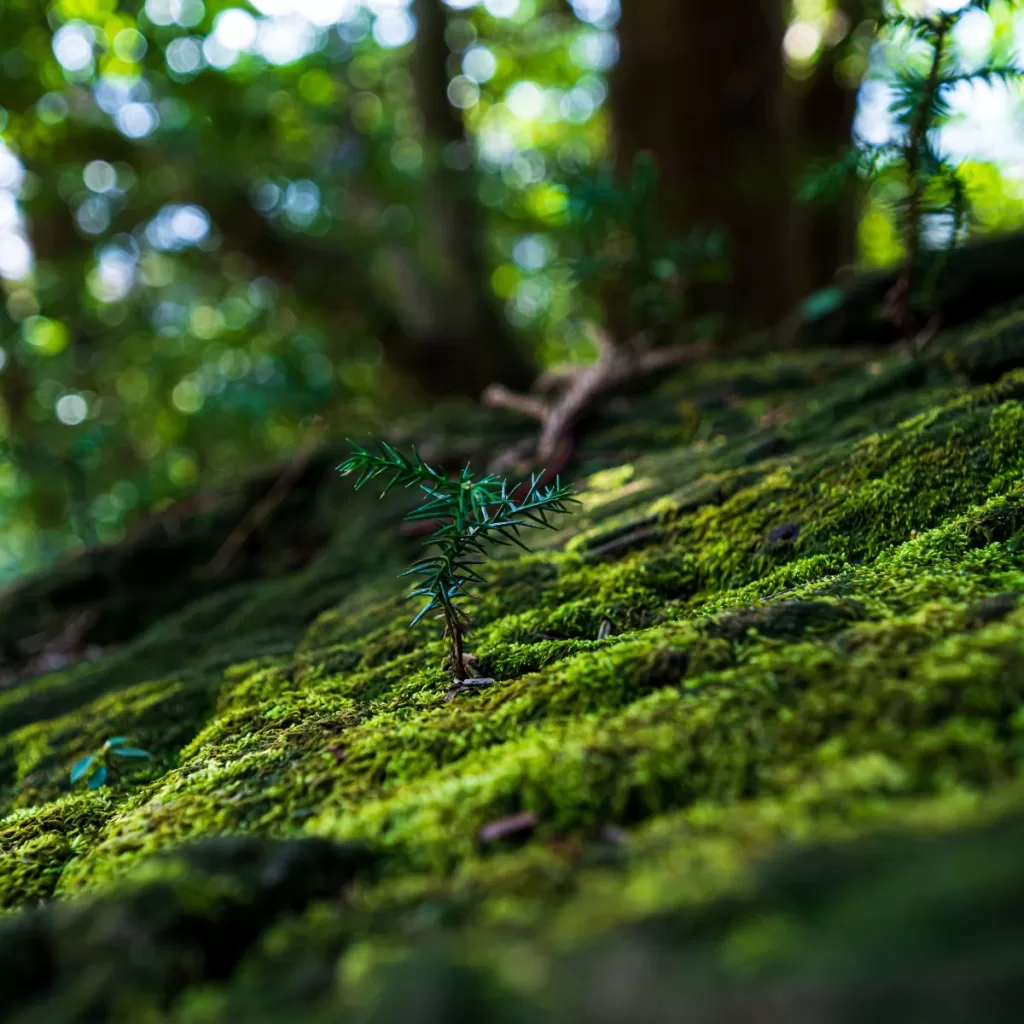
point(466, 686)
point(574, 389)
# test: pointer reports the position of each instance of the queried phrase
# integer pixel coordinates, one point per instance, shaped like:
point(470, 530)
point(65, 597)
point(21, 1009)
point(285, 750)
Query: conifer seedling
point(470, 515)
point(935, 185)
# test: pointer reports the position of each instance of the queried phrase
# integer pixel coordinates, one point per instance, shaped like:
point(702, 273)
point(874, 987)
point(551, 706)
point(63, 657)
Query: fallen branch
point(575, 389)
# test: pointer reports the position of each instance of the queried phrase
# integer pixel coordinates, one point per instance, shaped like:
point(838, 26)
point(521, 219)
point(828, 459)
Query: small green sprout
point(98, 766)
point(468, 515)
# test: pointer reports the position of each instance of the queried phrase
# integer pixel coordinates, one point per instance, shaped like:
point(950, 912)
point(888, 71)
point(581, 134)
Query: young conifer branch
point(471, 515)
point(936, 186)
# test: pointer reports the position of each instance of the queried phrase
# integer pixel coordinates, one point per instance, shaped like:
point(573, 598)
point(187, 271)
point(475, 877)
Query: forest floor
point(785, 785)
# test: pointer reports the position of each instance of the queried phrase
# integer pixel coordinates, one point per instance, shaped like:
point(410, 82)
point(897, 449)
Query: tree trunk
point(455, 318)
point(825, 109)
point(829, 229)
point(701, 87)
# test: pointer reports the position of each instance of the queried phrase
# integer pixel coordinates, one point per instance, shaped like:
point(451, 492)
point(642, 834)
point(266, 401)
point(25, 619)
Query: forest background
point(226, 227)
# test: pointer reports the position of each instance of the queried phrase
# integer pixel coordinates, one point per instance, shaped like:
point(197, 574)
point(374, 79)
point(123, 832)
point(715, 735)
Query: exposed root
point(575, 389)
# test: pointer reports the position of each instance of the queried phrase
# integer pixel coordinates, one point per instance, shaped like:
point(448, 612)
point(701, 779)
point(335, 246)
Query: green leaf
point(823, 302)
point(81, 768)
point(98, 777)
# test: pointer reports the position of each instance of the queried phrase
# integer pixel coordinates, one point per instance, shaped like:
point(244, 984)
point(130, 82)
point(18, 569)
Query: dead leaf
point(466, 686)
point(513, 825)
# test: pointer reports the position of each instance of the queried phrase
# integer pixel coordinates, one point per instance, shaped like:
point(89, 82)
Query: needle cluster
point(470, 516)
point(935, 189)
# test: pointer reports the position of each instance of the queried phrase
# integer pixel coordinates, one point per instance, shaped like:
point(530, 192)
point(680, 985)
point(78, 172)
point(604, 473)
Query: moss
point(945, 707)
point(814, 635)
point(35, 845)
point(158, 716)
point(984, 354)
point(191, 917)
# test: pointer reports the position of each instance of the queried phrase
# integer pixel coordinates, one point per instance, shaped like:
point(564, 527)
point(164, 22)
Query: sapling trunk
point(454, 633)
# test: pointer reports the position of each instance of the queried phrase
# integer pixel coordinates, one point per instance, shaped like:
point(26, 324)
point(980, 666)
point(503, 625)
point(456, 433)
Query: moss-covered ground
point(789, 777)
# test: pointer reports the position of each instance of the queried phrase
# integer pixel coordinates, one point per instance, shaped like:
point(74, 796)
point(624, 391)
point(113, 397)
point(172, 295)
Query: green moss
point(158, 716)
point(36, 844)
point(810, 586)
point(181, 920)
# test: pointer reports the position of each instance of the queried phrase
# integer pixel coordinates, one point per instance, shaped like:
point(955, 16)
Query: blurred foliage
point(979, 62)
point(206, 210)
point(624, 259)
point(201, 210)
point(933, 208)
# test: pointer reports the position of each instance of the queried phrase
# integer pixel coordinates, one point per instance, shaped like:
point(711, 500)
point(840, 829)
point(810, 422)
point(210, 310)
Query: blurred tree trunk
point(828, 229)
point(826, 107)
point(701, 86)
point(460, 341)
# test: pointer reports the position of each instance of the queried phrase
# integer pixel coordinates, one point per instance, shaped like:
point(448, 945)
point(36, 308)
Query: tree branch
point(582, 386)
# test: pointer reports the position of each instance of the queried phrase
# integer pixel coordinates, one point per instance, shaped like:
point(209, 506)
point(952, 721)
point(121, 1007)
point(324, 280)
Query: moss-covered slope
point(811, 566)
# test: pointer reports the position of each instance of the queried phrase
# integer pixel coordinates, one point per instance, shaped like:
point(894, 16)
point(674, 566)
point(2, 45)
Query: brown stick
point(554, 378)
point(454, 631)
point(667, 358)
point(582, 391)
point(497, 396)
point(583, 385)
point(269, 503)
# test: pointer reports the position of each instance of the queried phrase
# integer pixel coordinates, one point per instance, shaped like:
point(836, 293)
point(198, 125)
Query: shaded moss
point(810, 639)
point(189, 919)
point(36, 844)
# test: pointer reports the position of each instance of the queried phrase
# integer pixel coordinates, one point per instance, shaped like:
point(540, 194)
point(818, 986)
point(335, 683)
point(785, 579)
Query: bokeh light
point(205, 207)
